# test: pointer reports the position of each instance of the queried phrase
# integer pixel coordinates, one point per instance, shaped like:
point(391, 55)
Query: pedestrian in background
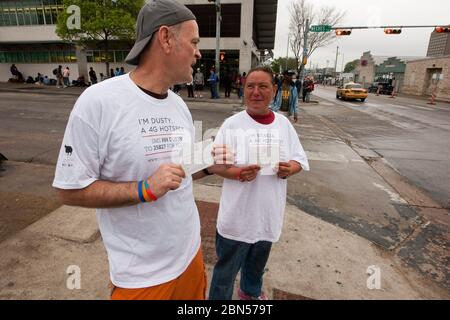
point(213, 82)
point(190, 89)
point(66, 75)
point(286, 99)
point(199, 83)
point(59, 77)
point(308, 87)
point(228, 84)
point(92, 76)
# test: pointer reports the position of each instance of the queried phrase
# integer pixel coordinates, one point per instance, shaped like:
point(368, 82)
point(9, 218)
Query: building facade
point(382, 69)
point(427, 76)
point(366, 69)
point(28, 38)
point(439, 44)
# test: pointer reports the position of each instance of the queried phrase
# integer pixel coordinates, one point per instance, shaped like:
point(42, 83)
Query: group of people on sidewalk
point(63, 77)
point(196, 86)
point(112, 159)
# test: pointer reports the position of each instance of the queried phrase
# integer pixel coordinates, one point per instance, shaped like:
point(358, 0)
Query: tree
point(101, 22)
point(302, 10)
point(351, 65)
point(279, 64)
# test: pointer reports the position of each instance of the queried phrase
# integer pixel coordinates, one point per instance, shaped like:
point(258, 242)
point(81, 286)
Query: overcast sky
point(411, 42)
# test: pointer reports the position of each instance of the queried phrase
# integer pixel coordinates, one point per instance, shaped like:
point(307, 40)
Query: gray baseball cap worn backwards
point(153, 15)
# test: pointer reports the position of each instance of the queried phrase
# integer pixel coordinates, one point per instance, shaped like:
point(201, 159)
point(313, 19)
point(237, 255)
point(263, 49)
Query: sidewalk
point(76, 91)
point(313, 259)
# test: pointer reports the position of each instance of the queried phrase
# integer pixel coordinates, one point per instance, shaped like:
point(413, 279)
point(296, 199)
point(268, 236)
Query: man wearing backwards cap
point(116, 157)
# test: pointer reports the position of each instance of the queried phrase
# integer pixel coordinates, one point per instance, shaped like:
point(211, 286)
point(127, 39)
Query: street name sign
point(321, 28)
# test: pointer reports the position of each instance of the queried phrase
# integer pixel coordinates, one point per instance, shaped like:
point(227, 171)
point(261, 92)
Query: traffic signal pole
point(383, 27)
point(305, 55)
point(218, 22)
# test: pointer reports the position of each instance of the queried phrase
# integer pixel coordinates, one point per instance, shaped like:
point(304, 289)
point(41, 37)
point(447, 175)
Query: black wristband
point(205, 171)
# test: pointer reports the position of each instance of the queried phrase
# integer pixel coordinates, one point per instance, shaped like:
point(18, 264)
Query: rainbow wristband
point(141, 195)
point(144, 192)
point(148, 192)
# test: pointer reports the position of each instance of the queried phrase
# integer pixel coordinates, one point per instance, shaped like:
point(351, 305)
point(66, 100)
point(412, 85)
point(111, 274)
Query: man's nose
point(198, 55)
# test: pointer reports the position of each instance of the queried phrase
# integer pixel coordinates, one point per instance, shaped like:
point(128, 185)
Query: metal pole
point(305, 53)
point(342, 65)
point(335, 62)
point(384, 27)
point(287, 52)
point(218, 21)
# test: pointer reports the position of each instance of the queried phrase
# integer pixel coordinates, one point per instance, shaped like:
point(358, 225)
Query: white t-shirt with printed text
point(118, 133)
point(254, 211)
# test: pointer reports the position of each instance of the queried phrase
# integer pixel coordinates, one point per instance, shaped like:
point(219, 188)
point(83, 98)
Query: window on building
point(20, 17)
point(29, 12)
point(206, 19)
point(40, 15)
point(54, 15)
point(99, 56)
point(48, 15)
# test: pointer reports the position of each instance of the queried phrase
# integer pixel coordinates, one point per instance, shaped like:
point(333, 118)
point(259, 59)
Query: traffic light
point(392, 31)
point(442, 29)
point(222, 56)
point(340, 32)
point(305, 61)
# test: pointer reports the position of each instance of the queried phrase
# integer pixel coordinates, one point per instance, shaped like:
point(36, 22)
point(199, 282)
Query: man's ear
point(164, 38)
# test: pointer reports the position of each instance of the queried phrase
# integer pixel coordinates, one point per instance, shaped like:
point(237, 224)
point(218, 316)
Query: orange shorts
point(190, 285)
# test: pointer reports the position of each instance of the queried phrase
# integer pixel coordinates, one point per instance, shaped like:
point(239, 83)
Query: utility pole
point(218, 22)
point(335, 62)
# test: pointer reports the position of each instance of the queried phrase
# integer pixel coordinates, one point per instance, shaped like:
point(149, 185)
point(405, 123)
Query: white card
point(197, 156)
point(265, 155)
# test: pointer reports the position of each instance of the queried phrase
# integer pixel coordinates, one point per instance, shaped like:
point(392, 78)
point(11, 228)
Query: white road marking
point(395, 197)
point(322, 156)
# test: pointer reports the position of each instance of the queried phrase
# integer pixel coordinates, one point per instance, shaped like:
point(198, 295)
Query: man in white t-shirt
point(116, 157)
point(253, 199)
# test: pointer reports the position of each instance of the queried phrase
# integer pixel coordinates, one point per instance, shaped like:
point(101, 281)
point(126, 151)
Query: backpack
point(55, 71)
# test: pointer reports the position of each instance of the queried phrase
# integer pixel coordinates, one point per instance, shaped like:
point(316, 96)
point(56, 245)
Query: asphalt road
point(411, 135)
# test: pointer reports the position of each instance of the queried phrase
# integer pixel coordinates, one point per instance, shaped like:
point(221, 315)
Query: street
point(379, 169)
point(410, 134)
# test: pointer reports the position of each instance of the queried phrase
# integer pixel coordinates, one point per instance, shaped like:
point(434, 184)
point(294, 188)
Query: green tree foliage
point(102, 21)
point(350, 66)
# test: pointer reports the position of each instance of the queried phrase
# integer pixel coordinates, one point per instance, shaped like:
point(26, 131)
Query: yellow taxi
point(351, 90)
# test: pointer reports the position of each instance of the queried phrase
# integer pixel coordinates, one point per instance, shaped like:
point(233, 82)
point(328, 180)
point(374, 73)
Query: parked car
point(351, 90)
point(385, 88)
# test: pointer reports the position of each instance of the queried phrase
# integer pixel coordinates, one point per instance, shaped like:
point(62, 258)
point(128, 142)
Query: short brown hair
point(265, 69)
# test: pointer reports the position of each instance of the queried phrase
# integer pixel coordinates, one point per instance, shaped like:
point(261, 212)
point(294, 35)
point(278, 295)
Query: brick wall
point(418, 77)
